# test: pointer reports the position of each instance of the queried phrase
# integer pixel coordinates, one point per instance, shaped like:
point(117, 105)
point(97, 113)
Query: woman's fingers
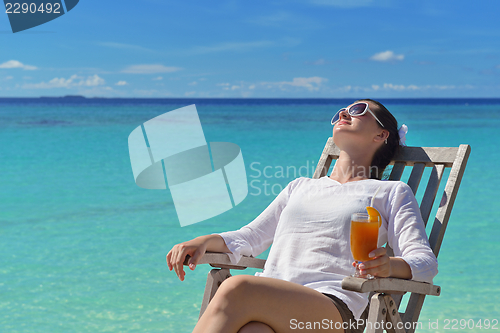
point(179, 263)
point(195, 257)
point(178, 255)
point(169, 263)
point(381, 251)
point(378, 266)
point(194, 248)
point(175, 260)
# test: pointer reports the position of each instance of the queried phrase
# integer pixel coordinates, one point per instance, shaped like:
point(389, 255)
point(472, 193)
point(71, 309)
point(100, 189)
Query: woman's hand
point(384, 266)
point(194, 248)
point(379, 266)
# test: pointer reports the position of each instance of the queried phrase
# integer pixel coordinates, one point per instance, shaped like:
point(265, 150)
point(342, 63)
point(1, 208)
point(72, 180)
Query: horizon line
point(243, 98)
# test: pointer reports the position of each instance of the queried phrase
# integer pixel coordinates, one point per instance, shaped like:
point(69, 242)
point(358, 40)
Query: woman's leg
point(283, 306)
point(256, 327)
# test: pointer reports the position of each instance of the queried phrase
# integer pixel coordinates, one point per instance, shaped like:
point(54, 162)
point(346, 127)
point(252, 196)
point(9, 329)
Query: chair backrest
point(437, 159)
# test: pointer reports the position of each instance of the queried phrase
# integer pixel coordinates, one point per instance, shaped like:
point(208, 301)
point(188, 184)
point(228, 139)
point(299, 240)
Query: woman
point(308, 226)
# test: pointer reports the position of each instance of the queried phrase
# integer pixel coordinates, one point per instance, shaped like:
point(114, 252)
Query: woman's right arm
point(195, 248)
point(251, 239)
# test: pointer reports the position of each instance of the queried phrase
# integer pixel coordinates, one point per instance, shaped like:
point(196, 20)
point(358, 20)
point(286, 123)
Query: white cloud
point(121, 83)
point(272, 20)
point(228, 86)
point(387, 56)
point(17, 64)
point(319, 62)
point(150, 69)
point(237, 46)
point(344, 3)
point(124, 46)
point(310, 83)
point(151, 92)
point(301, 83)
point(92, 81)
point(241, 46)
point(413, 87)
point(72, 81)
point(159, 78)
point(398, 87)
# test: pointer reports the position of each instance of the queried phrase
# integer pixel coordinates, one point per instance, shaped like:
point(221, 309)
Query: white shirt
point(308, 225)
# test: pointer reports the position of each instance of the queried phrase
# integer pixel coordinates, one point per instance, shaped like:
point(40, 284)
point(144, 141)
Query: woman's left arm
point(384, 266)
point(413, 257)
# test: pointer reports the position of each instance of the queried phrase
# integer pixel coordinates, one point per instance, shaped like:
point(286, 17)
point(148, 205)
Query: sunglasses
point(355, 110)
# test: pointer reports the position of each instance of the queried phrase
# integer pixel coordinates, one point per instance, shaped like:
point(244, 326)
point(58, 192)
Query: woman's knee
point(235, 286)
point(232, 292)
point(256, 327)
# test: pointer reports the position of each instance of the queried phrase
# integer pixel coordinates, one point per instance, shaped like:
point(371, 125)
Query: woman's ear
point(382, 136)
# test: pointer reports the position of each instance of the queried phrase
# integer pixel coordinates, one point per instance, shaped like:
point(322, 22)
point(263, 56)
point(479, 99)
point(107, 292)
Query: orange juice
point(364, 238)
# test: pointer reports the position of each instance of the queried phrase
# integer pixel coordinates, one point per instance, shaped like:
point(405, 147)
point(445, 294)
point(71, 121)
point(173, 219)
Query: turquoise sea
point(82, 247)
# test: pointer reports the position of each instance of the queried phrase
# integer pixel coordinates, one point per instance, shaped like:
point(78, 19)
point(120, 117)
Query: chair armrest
point(389, 286)
point(221, 260)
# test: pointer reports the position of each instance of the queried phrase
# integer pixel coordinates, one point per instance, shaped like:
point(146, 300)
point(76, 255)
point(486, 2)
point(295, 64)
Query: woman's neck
point(351, 167)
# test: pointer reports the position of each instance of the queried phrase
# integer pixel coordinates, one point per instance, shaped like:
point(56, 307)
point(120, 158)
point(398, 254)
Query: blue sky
point(290, 49)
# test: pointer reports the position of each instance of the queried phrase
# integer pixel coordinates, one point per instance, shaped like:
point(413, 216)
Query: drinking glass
point(364, 238)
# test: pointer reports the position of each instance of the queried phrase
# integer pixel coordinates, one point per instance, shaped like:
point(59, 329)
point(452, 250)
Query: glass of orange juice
point(364, 238)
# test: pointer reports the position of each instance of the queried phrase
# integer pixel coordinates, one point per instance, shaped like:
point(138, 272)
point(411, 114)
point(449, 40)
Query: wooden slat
point(448, 199)
point(214, 279)
point(397, 171)
point(410, 155)
point(323, 165)
point(377, 314)
point(389, 286)
point(393, 316)
point(330, 152)
point(413, 310)
point(416, 176)
point(222, 260)
point(331, 148)
point(397, 298)
point(430, 191)
point(427, 155)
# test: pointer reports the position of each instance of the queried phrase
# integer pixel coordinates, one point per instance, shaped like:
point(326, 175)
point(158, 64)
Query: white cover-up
point(308, 226)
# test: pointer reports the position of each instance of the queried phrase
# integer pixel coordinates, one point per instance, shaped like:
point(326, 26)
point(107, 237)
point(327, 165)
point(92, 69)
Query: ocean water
point(82, 248)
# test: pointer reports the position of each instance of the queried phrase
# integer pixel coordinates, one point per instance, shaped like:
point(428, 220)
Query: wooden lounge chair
point(386, 292)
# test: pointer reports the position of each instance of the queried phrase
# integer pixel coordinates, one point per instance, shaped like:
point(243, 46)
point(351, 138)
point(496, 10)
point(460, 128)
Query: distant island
point(65, 97)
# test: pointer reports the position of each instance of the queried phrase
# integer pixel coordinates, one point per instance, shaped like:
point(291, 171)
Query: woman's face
point(360, 130)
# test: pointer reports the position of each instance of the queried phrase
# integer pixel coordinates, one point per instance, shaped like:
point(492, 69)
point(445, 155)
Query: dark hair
point(387, 151)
